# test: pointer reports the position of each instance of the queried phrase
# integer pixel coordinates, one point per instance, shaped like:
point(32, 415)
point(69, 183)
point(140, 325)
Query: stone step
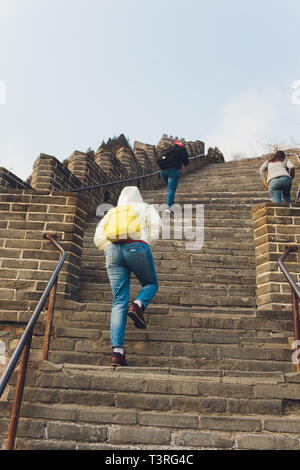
point(184, 298)
point(162, 318)
point(203, 288)
point(163, 388)
point(90, 251)
point(96, 273)
point(72, 426)
point(200, 192)
point(140, 359)
point(73, 307)
point(239, 211)
point(180, 279)
point(190, 257)
point(170, 349)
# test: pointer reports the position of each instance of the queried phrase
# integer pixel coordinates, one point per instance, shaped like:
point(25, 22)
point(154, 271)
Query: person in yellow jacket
point(124, 234)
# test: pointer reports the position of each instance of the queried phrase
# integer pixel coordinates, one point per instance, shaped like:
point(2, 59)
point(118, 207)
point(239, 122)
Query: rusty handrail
point(295, 291)
point(23, 349)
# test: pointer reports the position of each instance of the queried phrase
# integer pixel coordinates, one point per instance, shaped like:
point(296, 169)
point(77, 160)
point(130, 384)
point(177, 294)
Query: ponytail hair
point(278, 157)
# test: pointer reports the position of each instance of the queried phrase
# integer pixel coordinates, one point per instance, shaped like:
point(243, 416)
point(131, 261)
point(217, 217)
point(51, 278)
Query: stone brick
point(76, 432)
point(255, 406)
point(203, 440)
point(138, 435)
point(284, 424)
point(30, 428)
point(169, 420)
point(277, 391)
point(267, 442)
point(225, 390)
point(120, 384)
point(201, 405)
point(230, 424)
point(142, 402)
point(171, 387)
point(49, 411)
point(80, 382)
point(44, 445)
point(92, 398)
point(108, 416)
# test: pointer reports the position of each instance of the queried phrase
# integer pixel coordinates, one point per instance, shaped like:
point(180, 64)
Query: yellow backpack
point(265, 180)
point(122, 224)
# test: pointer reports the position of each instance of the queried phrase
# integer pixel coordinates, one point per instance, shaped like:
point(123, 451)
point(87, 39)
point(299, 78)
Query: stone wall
point(275, 227)
point(27, 260)
point(50, 174)
point(27, 212)
point(9, 180)
point(82, 170)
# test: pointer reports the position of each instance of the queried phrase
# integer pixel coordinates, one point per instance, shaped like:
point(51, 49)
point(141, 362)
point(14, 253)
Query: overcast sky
point(76, 72)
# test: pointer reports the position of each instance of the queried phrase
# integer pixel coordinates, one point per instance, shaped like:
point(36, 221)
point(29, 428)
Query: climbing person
point(170, 160)
point(124, 233)
point(277, 174)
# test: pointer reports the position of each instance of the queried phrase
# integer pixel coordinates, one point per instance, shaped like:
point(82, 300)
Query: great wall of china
point(214, 368)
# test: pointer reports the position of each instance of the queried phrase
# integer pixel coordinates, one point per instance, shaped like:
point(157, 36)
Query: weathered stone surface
point(267, 442)
point(139, 435)
point(230, 423)
point(209, 371)
point(201, 439)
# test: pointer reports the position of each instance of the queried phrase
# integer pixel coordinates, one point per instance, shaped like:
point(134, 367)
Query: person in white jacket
point(126, 255)
point(278, 172)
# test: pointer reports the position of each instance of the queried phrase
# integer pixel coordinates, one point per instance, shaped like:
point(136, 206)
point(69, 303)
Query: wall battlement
point(82, 169)
point(46, 205)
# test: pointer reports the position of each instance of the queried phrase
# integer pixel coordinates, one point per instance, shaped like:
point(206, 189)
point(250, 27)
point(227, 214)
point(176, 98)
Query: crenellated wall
point(84, 170)
point(9, 180)
point(50, 174)
point(27, 212)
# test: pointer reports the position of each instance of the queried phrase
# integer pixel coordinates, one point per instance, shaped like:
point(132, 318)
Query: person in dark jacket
point(170, 172)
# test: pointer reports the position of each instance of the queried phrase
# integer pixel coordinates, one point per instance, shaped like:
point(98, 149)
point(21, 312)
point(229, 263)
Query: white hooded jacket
point(131, 196)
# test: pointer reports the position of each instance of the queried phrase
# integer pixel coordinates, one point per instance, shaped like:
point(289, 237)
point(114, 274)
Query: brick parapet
point(27, 260)
point(275, 227)
point(83, 167)
point(50, 174)
point(114, 171)
point(9, 180)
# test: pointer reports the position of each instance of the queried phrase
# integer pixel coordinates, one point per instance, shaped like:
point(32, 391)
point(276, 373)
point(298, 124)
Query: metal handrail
point(23, 348)
point(110, 183)
point(295, 291)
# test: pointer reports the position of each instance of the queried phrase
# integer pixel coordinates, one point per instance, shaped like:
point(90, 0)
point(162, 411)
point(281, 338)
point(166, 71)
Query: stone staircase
point(209, 372)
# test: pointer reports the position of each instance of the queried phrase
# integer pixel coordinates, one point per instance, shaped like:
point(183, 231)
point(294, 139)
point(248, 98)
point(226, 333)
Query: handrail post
point(49, 322)
point(23, 348)
point(15, 414)
point(295, 306)
point(295, 297)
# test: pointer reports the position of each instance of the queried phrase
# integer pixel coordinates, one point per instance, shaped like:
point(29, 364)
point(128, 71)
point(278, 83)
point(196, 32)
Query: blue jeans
point(281, 184)
point(121, 261)
point(170, 177)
